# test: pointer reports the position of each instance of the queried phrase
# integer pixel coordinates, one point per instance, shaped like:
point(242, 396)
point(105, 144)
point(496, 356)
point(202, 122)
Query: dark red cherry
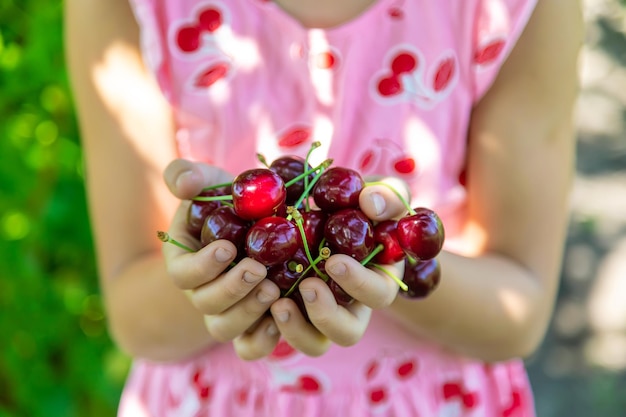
point(350, 232)
point(421, 235)
point(285, 275)
point(272, 240)
point(313, 222)
point(342, 297)
point(386, 233)
point(258, 193)
point(198, 210)
point(223, 223)
point(288, 168)
point(422, 277)
point(338, 188)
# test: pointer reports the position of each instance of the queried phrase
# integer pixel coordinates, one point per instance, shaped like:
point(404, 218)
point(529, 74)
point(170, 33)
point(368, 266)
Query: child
point(467, 102)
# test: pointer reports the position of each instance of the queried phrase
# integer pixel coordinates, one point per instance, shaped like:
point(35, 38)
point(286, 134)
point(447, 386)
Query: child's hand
point(371, 289)
point(233, 301)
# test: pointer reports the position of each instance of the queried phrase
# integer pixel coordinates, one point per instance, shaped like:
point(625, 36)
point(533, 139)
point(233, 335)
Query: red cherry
point(350, 232)
point(223, 223)
point(188, 38)
point(272, 240)
point(341, 297)
point(338, 188)
point(210, 20)
point(288, 168)
point(386, 233)
point(421, 234)
point(258, 193)
point(422, 278)
point(198, 210)
point(286, 274)
point(313, 223)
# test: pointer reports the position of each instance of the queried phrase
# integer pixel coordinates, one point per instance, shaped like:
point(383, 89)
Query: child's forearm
point(486, 307)
point(149, 317)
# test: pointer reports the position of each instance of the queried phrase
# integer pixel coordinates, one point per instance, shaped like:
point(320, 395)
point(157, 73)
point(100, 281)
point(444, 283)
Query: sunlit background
point(55, 356)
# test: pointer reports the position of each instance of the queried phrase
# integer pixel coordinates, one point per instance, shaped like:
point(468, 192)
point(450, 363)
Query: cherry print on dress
point(515, 406)
point(384, 374)
point(388, 152)
point(457, 399)
point(189, 37)
point(282, 351)
point(490, 51)
point(304, 384)
point(211, 74)
point(294, 136)
point(395, 11)
point(402, 78)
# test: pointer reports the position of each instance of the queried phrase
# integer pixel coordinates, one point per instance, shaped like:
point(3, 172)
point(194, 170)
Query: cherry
point(421, 277)
point(338, 188)
point(223, 223)
point(421, 234)
point(313, 222)
point(386, 233)
point(210, 20)
point(342, 297)
point(288, 168)
point(350, 232)
point(286, 274)
point(272, 240)
point(188, 38)
point(198, 210)
point(258, 193)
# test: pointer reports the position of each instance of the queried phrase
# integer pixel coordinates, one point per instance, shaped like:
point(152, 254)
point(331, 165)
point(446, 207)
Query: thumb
point(383, 199)
point(186, 179)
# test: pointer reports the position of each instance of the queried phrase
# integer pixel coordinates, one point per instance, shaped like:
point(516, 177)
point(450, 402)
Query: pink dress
point(387, 93)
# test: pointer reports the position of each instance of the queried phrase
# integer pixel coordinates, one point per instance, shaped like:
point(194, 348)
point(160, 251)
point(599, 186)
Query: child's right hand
point(234, 301)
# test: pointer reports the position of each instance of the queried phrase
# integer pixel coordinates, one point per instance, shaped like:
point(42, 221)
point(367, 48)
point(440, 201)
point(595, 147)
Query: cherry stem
point(325, 254)
point(321, 166)
point(401, 284)
point(293, 212)
point(262, 159)
point(227, 197)
point(396, 192)
point(166, 238)
point(314, 146)
point(379, 248)
point(213, 187)
point(310, 186)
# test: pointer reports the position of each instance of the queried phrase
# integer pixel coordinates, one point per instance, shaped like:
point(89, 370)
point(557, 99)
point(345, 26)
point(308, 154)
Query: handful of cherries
point(291, 217)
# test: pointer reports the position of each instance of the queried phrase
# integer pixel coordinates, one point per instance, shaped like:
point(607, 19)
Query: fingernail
point(282, 317)
point(272, 330)
point(379, 203)
point(264, 297)
point(337, 269)
point(308, 295)
point(182, 178)
point(223, 255)
point(250, 278)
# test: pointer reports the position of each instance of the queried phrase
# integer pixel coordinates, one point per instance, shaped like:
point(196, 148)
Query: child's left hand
point(371, 289)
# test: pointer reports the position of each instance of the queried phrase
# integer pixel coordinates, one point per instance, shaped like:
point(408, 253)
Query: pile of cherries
point(291, 217)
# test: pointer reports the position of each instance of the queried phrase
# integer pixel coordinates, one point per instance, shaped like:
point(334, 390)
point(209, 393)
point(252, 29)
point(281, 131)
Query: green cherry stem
point(227, 197)
point(396, 192)
point(166, 238)
point(401, 284)
point(293, 212)
point(325, 254)
point(379, 248)
point(321, 166)
point(314, 146)
point(213, 187)
point(262, 160)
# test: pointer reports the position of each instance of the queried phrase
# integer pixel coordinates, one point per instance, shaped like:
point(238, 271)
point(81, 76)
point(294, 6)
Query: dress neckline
point(373, 9)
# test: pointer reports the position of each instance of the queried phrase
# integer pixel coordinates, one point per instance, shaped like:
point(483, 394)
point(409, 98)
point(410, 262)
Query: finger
point(259, 342)
point(296, 331)
point(379, 201)
point(186, 179)
point(372, 287)
point(344, 326)
point(241, 316)
point(215, 297)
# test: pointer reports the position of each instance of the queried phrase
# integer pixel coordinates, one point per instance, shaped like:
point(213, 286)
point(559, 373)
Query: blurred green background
point(56, 359)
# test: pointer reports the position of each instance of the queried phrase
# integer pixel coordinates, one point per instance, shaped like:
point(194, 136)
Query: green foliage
point(56, 358)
